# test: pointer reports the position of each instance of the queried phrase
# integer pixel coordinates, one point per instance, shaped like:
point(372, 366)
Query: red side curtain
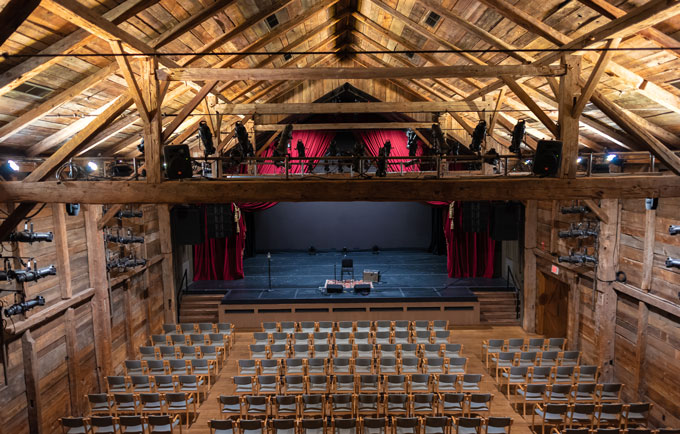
point(220, 258)
point(375, 139)
point(469, 254)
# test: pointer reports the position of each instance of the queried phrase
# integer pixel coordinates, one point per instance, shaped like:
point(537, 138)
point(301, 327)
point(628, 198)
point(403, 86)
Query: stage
point(414, 285)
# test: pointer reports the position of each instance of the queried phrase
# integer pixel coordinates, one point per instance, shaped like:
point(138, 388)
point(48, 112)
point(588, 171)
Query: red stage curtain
point(220, 258)
point(375, 139)
point(469, 254)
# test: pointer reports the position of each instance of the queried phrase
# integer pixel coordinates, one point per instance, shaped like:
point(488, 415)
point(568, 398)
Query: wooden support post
point(129, 332)
point(72, 361)
point(61, 244)
point(153, 143)
point(638, 389)
point(648, 250)
point(165, 236)
point(574, 315)
point(568, 120)
point(499, 104)
point(605, 313)
point(554, 211)
point(529, 289)
point(32, 380)
point(101, 315)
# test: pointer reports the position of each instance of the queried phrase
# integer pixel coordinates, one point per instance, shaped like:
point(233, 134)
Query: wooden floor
point(471, 337)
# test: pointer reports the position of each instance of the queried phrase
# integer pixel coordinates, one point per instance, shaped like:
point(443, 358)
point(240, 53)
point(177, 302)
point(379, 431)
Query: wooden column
point(574, 314)
point(32, 380)
point(529, 290)
point(61, 244)
point(101, 314)
point(638, 390)
point(648, 250)
point(165, 236)
point(569, 122)
point(554, 212)
point(129, 332)
point(72, 360)
point(153, 131)
point(605, 314)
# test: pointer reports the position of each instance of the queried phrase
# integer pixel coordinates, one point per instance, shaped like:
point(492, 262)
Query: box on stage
point(371, 276)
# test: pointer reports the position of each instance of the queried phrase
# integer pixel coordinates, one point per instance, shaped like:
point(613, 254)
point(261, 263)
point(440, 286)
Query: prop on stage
point(338, 286)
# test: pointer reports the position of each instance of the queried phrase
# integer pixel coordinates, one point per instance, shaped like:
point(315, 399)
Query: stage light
point(518, 134)
point(140, 146)
point(13, 165)
point(478, 136)
point(205, 135)
point(92, 166)
point(610, 157)
point(579, 160)
point(29, 275)
point(28, 236)
point(25, 306)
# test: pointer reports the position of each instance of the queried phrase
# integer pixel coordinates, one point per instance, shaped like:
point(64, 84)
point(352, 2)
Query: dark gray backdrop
point(334, 225)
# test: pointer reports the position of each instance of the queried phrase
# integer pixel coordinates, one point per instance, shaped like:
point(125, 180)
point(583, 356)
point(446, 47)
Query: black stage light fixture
point(441, 147)
point(22, 307)
point(128, 213)
point(548, 157)
point(576, 258)
point(28, 236)
point(300, 149)
point(124, 240)
point(478, 136)
point(244, 143)
point(284, 141)
point(672, 263)
point(34, 275)
point(518, 134)
point(674, 229)
point(140, 147)
point(491, 157)
point(205, 135)
point(574, 210)
point(383, 153)
point(177, 162)
point(412, 142)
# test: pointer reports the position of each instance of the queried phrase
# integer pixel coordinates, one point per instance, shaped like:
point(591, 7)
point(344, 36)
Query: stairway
point(199, 307)
point(497, 307)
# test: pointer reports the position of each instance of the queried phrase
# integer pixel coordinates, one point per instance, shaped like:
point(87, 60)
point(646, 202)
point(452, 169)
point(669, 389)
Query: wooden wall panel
point(646, 340)
point(55, 381)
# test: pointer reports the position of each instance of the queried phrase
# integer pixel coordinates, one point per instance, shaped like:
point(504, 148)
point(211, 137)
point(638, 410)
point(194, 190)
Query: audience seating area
point(364, 377)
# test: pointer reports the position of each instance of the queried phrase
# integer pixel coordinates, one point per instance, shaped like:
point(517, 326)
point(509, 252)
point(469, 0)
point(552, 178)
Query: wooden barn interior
point(340, 216)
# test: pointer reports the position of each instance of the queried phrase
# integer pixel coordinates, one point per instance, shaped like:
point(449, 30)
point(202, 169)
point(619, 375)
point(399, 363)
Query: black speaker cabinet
point(475, 216)
point(187, 225)
point(334, 288)
point(506, 221)
point(362, 288)
point(548, 157)
point(177, 162)
point(219, 220)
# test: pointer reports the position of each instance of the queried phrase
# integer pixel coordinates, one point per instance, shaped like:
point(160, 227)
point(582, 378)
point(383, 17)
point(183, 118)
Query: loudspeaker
point(548, 157)
point(177, 162)
point(187, 225)
point(475, 216)
point(506, 221)
point(334, 288)
point(219, 220)
point(362, 288)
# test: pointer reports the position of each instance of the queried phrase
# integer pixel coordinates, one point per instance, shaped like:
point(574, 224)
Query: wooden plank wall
point(646, 338)
point(65, 345)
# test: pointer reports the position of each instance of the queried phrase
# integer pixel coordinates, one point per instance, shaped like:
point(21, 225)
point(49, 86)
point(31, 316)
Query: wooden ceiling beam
point(595, 76)
point(186, 74)
point(187, 109)
point(13, 14)
point(133, 87)
point(402, 189)
point(32, 66)
point(610, 11)
point(517, 89)
point(349, 107)
point(205, 13)
point(345, 126)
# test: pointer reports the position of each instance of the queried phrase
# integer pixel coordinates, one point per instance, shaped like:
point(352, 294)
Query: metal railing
point(510, 276)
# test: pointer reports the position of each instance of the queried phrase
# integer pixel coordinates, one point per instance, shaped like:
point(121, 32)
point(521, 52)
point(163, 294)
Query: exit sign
point(554, 269)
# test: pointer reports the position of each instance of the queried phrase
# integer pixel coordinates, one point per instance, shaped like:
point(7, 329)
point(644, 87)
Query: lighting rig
point(29, 274)
point(281, 149)
point(674, 229)
point(518, 134)
point(439, 143)
point(478, 136)
point(122, 264)
point(673, 262)
point(29, 236)
point(578, 258)
point(124, 258)
point(576, 230)
point(129, 239)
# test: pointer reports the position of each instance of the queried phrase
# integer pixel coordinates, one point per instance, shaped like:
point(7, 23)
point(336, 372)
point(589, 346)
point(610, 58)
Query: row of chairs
point(354, 405)
point(186, 352)
point(491, 346)
point(145, 404)
point(129, 424)
point(345, 365)
point(569, 393)
point(516, 376)
point(506, 359)
point(616, 431)
point(281, 351)
point(195, 339)
point(204, 367)
point(365, 383)
point(377, 337)
point(612, 415)
point(353, 326)
point(201, 327)
point(157, 383)
point(365, 425)
point(273, 351)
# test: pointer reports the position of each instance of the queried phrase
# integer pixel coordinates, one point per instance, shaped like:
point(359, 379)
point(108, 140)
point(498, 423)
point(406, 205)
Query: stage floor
point(297, 277)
